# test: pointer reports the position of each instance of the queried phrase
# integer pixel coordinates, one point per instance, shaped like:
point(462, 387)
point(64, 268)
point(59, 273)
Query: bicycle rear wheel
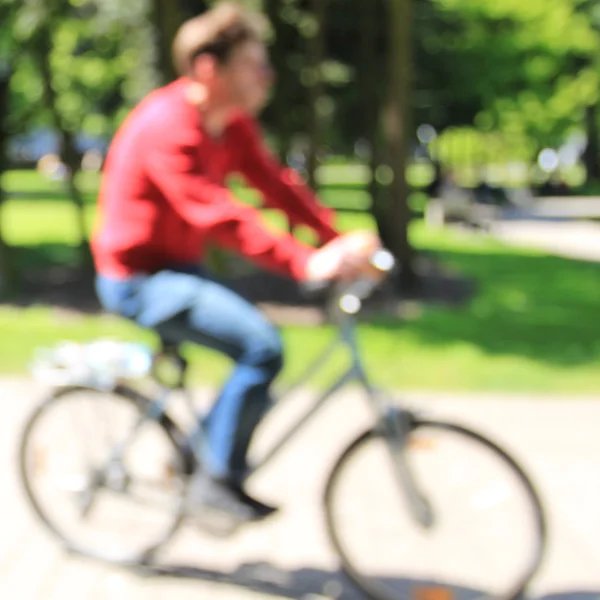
point(488, 531)
point(107, 481)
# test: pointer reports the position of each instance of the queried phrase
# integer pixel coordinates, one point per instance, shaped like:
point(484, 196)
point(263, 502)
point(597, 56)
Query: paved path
point(560, 226)
point(565, 207)
point(556, 440)
point(572, 238)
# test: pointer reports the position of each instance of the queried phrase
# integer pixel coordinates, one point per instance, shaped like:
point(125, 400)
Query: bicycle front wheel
point(487, 533)
point(105, 479)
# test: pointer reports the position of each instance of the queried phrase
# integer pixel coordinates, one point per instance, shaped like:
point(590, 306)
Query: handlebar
point(349, 296)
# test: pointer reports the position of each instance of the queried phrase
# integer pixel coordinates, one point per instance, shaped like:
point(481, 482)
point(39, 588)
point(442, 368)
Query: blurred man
point(163, 196)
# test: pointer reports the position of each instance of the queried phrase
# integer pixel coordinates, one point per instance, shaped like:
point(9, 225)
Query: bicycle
point(414, 474)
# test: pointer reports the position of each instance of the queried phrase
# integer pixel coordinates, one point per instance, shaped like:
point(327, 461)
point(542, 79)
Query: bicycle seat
point(167, 348)
point(169, 353)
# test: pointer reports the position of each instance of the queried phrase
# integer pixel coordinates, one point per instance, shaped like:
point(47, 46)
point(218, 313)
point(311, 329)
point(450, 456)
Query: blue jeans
point(185, 304)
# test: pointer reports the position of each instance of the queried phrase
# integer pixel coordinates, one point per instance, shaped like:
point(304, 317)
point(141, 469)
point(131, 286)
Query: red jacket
point(163, 193)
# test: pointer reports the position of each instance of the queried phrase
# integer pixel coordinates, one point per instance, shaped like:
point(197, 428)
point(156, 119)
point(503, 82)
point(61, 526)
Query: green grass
point(24, 181)
point(532, 325)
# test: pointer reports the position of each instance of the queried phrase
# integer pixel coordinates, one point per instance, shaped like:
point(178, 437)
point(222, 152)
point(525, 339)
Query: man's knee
point(265, 348)
point(275, 364)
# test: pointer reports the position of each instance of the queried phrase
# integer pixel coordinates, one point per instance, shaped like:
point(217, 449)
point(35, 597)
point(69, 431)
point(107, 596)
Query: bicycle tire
point(377, 592)
point(184, 459)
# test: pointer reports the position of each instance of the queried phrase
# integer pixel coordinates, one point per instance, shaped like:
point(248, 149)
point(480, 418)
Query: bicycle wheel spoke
point(82, 424)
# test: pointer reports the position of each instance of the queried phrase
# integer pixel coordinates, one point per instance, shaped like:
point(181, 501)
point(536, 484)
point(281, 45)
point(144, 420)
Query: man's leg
point(223, 321)
point(184, 306)
point(220, 319)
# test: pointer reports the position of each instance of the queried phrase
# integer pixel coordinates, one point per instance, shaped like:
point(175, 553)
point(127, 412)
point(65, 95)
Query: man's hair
point(217, 32)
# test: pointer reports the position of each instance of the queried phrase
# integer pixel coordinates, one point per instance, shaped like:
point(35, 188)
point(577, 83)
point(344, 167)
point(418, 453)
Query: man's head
point(223, 50)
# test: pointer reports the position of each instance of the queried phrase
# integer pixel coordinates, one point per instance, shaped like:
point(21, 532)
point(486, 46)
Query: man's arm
point(282, 187)
point(172, 165)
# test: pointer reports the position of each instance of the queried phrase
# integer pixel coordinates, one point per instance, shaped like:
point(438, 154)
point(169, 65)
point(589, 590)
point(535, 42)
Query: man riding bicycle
point(163, 196)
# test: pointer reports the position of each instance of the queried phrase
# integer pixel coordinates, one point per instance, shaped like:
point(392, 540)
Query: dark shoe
point(261, 510)
point(217, 496)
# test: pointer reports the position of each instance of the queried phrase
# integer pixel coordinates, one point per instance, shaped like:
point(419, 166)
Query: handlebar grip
point(383, 260)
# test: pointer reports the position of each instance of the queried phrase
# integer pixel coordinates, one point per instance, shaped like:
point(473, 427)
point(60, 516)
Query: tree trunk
point(191, 8)
point(68, 153)
point(397, 131)
point(316, 55)
point(371, 105)
point(8, 275)
point(279, 101)
point(592, 154)
point(167, 17)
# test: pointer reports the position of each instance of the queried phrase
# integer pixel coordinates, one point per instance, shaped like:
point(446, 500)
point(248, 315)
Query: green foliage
point(97, 56)
point(523, 69)
point(527, 69)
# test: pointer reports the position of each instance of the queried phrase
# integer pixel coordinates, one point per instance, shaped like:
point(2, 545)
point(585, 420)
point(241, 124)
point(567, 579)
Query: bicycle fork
point(396, 425)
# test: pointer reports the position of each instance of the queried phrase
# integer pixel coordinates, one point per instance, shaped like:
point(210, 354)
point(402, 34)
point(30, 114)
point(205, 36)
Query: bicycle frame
point(346, 338)
point(393, 421)
point(356, 373)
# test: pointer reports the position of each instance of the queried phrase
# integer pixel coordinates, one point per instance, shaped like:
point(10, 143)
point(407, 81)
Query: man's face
point(244, 81)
